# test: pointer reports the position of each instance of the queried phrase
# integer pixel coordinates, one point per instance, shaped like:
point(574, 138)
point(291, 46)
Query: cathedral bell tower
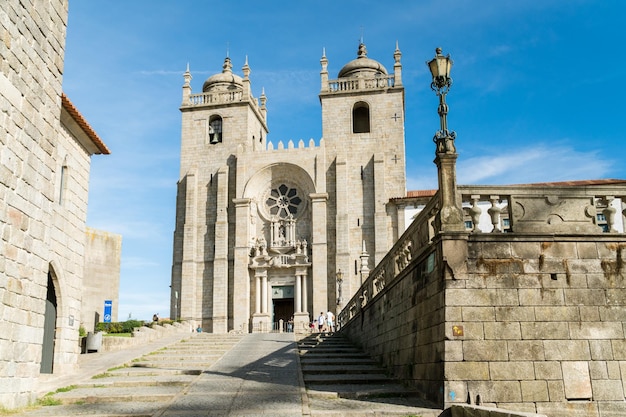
point(217, 123)
point(363, 127)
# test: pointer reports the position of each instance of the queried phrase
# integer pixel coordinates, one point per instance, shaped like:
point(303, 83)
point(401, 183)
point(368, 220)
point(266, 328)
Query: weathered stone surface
point(502, 330)
point(485, 350)
point(526, 350)
point(503, 391)
point(503, 371)
point(548, 370)
point(534, 391)
point(608, 390)
point(567, 350)
point(597, 330)
point(569, 409)
point(467, 371)
point(576, 380)
point(544, 330)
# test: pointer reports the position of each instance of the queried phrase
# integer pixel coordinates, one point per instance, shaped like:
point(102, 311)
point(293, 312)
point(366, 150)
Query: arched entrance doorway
point(283, 301)
point(49, 328)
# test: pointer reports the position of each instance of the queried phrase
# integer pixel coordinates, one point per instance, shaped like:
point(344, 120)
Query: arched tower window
point(360, 118)
point(215, 130)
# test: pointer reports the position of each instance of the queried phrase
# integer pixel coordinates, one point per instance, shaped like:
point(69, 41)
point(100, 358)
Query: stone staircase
point(334, 369)
point(145, 385)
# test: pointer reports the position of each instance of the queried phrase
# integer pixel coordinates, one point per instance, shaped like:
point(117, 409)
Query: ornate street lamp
point(440, 67)
point(450, 216)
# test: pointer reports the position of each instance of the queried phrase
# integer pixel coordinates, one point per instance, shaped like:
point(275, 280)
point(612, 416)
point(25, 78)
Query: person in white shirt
point(321, 322)
point(330, 321)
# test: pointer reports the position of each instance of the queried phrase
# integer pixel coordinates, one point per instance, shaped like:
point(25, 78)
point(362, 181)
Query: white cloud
point(535, 163)
point(538, 163)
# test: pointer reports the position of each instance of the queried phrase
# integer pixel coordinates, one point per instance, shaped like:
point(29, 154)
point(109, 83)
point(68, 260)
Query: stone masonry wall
point(32, 41)
point(532, 323)
point(403, 327)
point(101, 281)
point(542, 325)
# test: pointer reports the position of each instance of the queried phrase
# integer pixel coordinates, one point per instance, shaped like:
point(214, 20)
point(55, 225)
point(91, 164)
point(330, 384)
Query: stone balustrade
point(215, 98)
point(558, 209)
point(414, 242)
point(354, 84)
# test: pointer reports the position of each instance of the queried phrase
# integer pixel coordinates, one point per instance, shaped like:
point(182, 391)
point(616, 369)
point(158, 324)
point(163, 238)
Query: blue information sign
point(108, 306)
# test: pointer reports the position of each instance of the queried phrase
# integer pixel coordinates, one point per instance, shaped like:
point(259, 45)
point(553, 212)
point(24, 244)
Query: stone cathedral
point(267, 232)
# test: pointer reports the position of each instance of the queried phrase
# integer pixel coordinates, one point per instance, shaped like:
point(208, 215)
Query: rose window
point(283, 201)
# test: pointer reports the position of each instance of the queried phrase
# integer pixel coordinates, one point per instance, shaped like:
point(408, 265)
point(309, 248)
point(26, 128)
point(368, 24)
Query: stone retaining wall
point(524, 322)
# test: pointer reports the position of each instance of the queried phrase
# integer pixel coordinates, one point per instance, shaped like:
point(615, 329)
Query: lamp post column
point(450, 216)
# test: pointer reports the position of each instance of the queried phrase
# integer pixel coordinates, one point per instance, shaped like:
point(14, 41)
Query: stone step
point(181, 365)
point(118, 394)
point(360, 391)
point(178, 356)
point(340, 369)
point(142, 371)
point(139, 381)
point(338, 361)
point(346, 379)
point(334, 355)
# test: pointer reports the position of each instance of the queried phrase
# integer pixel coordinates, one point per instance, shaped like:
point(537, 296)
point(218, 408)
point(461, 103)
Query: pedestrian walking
point(330, 321)
point(321, 322)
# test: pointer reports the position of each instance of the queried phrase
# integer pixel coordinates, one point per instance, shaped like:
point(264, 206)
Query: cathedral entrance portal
point(283, 301)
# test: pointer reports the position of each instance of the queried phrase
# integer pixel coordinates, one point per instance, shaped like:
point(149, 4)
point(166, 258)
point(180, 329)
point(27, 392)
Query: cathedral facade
point(267, 232)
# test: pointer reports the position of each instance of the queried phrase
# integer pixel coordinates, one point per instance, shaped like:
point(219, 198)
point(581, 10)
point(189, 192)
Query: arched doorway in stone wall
point(49, 328)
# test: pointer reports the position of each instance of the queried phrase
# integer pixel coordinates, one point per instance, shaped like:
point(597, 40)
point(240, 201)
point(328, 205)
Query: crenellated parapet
point(291, 146)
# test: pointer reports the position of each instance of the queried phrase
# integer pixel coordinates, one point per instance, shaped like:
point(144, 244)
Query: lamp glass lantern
point(440, 67)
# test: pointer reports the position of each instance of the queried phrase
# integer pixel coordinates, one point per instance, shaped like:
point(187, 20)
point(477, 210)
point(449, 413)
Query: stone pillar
point(319, 251)
point(324, 72)
point(343, 260)
point(401, 213)
point(298, 306)
point(264, 294)
point(450, 217)
point(257, 304)
point(397, 67)
point(381, 220)
point(241, 274)
point(305, 293)
point(186, 307)
point(187, 87)
point(220, 264)
point(260, 319)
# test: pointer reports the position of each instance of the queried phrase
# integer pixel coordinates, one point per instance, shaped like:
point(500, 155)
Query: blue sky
point(537, 96)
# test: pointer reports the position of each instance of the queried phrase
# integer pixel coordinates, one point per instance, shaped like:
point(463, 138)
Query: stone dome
point(224, 80)
point(362, 65)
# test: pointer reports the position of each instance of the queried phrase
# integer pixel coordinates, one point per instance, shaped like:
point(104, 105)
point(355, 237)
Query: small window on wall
point(63, 184)
point(360, 118)
point(215, 130)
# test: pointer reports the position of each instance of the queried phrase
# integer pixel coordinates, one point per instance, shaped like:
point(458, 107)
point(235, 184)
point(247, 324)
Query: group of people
point(325, 322)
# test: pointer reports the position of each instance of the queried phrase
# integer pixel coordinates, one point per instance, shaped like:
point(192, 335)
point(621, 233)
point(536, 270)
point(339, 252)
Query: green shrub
point(119, 327)
point(129, 325)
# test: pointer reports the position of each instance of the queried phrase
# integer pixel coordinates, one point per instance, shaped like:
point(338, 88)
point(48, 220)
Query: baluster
point(494, 212)
point(609, 214)
point(475, 213)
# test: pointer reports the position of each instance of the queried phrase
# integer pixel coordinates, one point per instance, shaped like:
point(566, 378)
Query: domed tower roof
point(362, 65)
point(224, 80)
